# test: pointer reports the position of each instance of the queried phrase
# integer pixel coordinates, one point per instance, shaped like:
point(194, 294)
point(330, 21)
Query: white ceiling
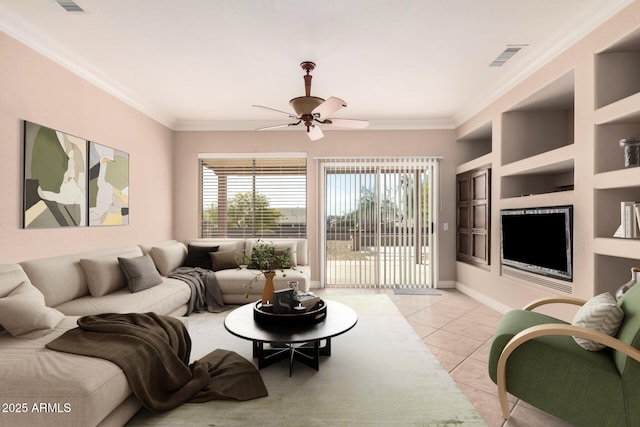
point(402, 64)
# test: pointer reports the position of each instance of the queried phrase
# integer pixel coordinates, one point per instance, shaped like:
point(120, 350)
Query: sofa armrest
point(553, 329)
point(554, 300)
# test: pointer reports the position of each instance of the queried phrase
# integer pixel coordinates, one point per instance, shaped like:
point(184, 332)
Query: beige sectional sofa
point(41, 299)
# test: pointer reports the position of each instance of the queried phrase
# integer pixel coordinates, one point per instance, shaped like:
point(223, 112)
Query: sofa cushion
point(168, 298)
point(24, 314)
point(104, 274)
point(224, 260)
point(168, 257)
point(61, 278)
point(600, 313)
point(87, 389)
point(198, 256)
point(140, 273)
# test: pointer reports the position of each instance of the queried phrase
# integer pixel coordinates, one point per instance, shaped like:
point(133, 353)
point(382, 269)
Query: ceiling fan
point(312, 110)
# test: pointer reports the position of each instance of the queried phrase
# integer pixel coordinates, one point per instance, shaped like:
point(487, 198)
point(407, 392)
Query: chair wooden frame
point(553, 329)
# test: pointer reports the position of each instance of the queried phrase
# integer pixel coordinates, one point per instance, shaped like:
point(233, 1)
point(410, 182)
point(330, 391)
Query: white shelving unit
point(617, 116)
point(555, 141)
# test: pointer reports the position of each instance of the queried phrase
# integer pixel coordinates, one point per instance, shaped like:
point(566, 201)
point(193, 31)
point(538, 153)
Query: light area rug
point(379, 374)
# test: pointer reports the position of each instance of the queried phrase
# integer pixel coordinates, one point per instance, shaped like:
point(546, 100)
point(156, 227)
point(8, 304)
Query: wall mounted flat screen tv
point(538, 240)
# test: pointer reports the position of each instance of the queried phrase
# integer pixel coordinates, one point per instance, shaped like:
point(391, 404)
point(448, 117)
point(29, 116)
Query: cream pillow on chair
point(601, 313)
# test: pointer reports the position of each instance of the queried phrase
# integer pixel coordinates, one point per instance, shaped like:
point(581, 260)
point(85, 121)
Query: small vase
point(631, 151)
point(269, 287)
point(634, 280)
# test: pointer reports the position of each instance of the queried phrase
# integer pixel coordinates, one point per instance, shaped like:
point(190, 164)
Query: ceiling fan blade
point(315, 133)
point(328, 107)
point(347, 123)
point(278, 111)
point(278, 126)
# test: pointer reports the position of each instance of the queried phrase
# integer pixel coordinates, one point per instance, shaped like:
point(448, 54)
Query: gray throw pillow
point(140, 273)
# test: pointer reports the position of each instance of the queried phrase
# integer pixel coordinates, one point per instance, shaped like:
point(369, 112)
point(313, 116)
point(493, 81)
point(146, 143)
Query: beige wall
point(579, 60)
point(34, 88)
point(335, 143)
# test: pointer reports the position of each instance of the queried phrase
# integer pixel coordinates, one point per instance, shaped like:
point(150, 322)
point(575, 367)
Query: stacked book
point(307, 299)
point(629, 220)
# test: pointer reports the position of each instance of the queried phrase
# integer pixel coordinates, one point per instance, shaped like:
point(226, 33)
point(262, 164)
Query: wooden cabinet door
point(473, 215)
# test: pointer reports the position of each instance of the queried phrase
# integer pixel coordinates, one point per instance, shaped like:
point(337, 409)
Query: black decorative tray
point(264, 316)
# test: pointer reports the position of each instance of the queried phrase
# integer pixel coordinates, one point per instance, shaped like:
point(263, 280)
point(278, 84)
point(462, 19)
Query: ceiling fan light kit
point(313, 110)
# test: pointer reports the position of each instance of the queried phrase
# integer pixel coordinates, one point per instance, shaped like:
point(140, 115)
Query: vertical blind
point(253, 197)
point(378, 220)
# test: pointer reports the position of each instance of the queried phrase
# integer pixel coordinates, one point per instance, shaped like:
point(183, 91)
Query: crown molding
point(545, 55)
point(28, 35)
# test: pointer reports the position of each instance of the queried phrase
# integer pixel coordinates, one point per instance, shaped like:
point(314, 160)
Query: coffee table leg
point(326, 350)
point(308, 353)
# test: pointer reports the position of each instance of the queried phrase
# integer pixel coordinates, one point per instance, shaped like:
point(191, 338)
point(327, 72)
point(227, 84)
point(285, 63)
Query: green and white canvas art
point(55, 178)
point(108, 186)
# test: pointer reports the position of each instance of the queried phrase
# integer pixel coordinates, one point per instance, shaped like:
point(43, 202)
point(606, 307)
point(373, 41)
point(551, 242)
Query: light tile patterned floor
point(458, 329)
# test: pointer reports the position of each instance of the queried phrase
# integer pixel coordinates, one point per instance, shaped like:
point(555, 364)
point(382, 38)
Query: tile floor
point(458, 329)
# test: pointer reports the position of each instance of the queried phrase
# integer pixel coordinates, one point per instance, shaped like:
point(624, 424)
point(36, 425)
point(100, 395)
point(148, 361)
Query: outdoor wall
point(36, 89)
point(335, 143)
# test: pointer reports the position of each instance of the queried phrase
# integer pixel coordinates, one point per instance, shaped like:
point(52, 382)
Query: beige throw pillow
point(104, 274)
point(24, 314)
point(600, 313)
point(168, 257)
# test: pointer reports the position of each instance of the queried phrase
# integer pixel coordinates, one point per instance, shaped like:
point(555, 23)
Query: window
point(253, 197)
point(378, 218)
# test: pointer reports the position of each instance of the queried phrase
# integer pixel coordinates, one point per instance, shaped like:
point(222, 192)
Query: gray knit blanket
point(205, 291)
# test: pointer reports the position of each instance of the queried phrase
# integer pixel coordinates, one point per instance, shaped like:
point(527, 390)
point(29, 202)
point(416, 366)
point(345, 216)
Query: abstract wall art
point(55, 178)
point(108, 186)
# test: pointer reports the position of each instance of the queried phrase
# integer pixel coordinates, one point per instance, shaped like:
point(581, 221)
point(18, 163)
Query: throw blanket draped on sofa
point(153, 351)
point(205, 292)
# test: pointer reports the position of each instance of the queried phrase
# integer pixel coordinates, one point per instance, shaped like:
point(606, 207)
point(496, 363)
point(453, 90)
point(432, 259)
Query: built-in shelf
point(629, 177)
point(549, 172)
point(616, 247)
point(616, 71)
point(617, 116)
point(614, 122)
point(626, 110)
point(537, 200)
point(559, 160)
point(476, 143)
point(613, 271)
point(542, 122)
point(479, 162)
point(607, 209)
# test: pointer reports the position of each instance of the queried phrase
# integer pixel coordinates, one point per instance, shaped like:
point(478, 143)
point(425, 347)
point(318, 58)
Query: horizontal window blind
point(253, 197)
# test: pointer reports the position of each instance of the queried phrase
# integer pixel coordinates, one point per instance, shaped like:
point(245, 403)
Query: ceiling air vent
point(70, 6)
point(506, 55)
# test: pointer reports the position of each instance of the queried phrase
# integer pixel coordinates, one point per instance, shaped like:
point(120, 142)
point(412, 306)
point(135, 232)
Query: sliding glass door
point(378, 221)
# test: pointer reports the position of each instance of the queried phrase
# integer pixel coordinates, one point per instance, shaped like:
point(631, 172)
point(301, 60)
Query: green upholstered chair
point(535, 358)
